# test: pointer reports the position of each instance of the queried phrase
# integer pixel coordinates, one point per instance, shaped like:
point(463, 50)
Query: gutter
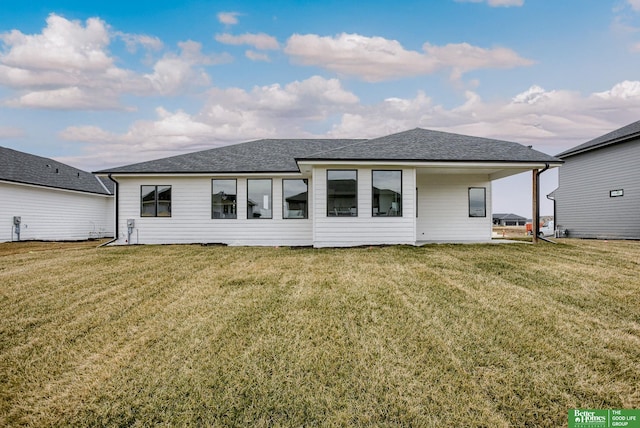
point(116, 195)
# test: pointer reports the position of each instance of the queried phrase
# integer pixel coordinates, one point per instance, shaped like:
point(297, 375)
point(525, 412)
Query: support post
point(535, 218)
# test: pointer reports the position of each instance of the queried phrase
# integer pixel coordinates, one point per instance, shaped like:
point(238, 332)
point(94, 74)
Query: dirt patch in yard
point(509, 231)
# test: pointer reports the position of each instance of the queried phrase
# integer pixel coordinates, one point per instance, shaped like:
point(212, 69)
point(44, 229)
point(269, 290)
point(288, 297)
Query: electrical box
point(131, 222)
point(17, 220)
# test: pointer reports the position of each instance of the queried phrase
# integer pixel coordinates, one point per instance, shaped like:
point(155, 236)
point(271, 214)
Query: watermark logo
point(582, 418)
point(589, 418)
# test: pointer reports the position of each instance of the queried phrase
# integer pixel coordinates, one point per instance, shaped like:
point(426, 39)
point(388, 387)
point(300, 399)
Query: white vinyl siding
point(363, 229)
point(53, 214)
point(191, 221)
point(443, 208)
point(583, 204)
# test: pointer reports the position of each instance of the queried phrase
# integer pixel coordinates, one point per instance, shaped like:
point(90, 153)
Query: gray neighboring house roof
point(626, 133)
point(503, 216)
point(273, 155)
point(20, 167)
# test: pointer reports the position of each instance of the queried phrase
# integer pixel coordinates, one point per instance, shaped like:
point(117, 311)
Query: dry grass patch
point(443, 335)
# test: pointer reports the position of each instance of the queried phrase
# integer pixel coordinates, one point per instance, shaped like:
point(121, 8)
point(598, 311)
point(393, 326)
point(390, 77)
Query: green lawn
point(437, 336)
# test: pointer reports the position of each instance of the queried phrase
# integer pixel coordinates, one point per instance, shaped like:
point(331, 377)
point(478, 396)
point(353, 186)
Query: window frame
point(484, 202)
point(156, 200)
point(350, 214)
point(284, 202)
point(235, 205)
point(254, 217)
point(399, 210)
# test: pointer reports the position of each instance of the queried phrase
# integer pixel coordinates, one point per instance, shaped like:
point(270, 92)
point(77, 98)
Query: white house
point(599, 187)
point(406, 188)
point(41, 199)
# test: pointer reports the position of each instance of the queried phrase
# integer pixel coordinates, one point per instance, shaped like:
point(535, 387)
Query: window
point(342, 193)
point(477, 202)
point(155, 201)
point(294, 198)
point(223, 199)
point(387, 193)
point(259, 198)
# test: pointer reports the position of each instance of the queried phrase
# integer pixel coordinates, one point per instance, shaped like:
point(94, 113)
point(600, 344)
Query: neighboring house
point(41, 199)
point(599, 187)
point(508, 220)
point(407, 188)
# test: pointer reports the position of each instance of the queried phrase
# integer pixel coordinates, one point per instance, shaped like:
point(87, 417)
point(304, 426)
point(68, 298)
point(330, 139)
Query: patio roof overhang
point(495, 170)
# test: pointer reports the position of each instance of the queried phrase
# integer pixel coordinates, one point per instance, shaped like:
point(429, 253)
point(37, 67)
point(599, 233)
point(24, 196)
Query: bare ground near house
point(509, 231)
point(441, 335)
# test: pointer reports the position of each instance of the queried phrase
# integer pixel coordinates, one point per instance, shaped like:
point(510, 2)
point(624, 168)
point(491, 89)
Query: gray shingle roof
point(511, 216)
point(281, 155)
point(620, 135)
point(254, 156)
point(20, 167)
point(426, 145)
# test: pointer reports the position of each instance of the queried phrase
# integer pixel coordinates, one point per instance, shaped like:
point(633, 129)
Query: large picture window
point(294, 198)
point(223, 198)
point(342, 193)
point(155, 201)
point(477, 202)
point(387, 193)
point(259, 198)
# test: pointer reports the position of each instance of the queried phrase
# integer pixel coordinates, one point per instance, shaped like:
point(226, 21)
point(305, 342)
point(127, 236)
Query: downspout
point(115, 234)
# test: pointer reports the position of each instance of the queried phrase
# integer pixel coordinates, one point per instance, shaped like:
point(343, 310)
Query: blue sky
point(100, 84)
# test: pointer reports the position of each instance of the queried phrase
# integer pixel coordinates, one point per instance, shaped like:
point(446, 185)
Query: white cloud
point(169, 134)
point(63, 45)
point(228, 18)
point(229, 115)
point(551, 120)
point(635, 4)
point(311, 99)
point(132, 41)
point(371, 58)
point(173, 73)
point(463, 57)
point(68, 66)
point(259, 41)
point(256, 56)
point(623, 90)
point(71, 98)
point(530, 96)
point(375, 58)
point(88, 134)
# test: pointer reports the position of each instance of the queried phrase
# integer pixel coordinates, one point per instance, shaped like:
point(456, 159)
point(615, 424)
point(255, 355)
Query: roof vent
point(57, 171)
point(48, 166)
point(78, 175)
